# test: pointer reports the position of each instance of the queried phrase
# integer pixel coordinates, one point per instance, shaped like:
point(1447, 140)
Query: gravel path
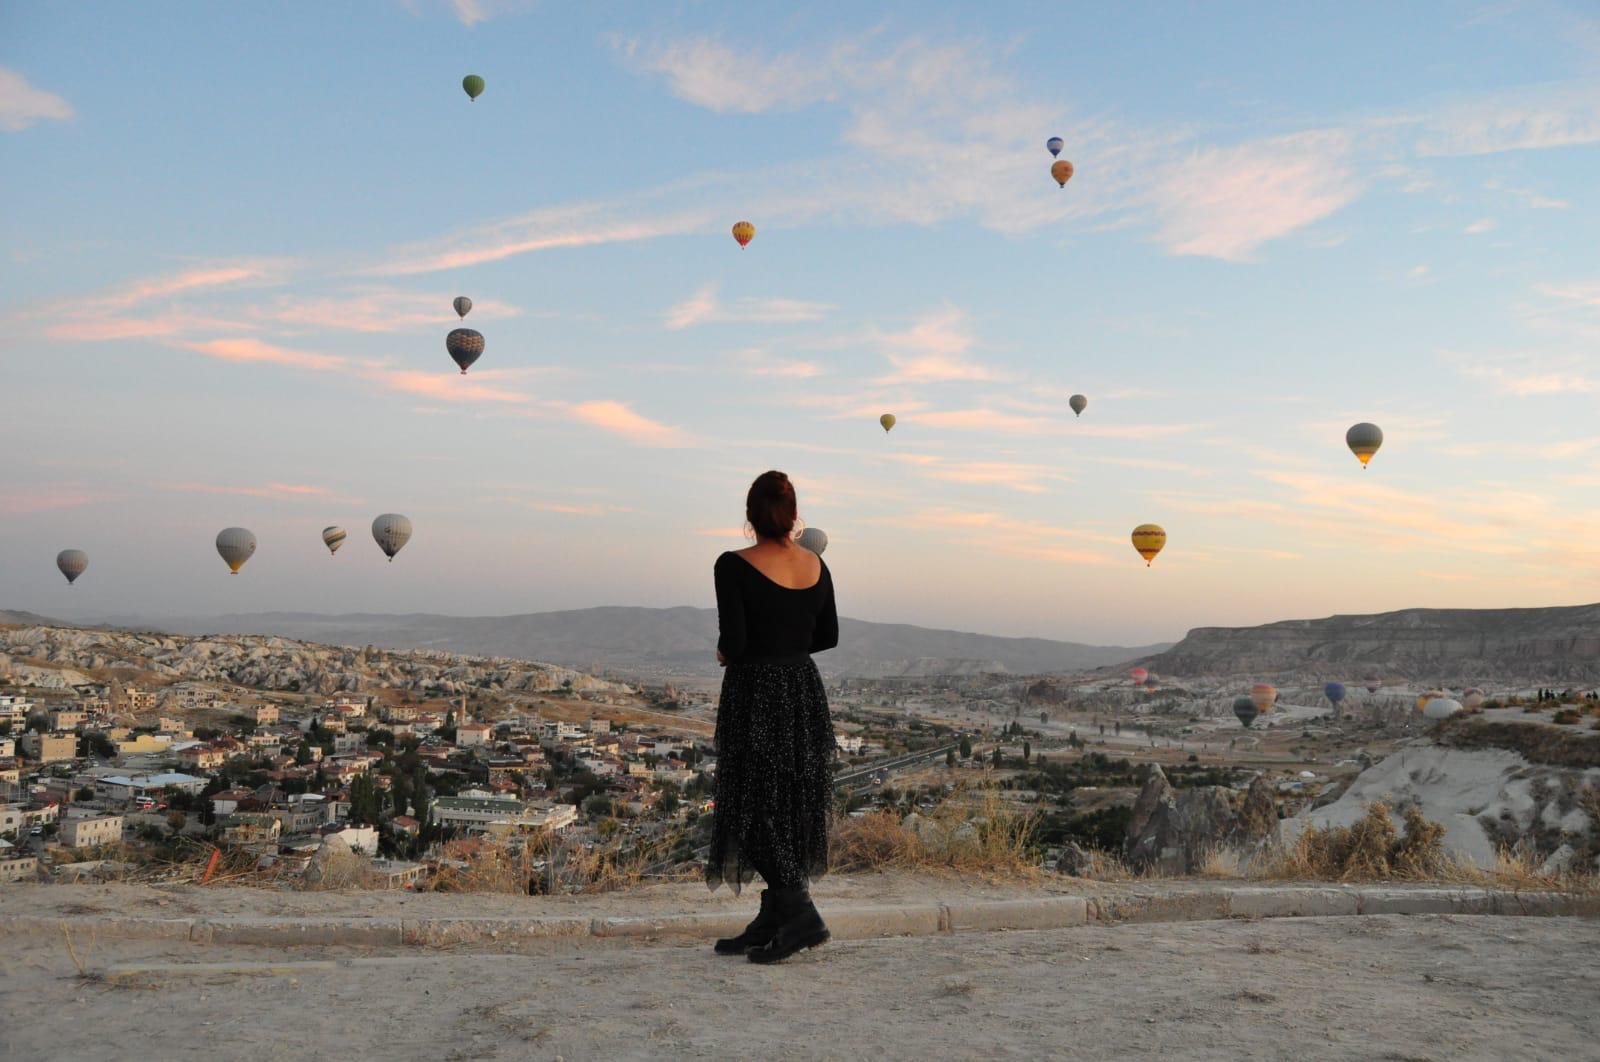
point(1422, 987)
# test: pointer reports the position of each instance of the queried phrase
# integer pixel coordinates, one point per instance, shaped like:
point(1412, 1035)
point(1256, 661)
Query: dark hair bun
point(770, 506)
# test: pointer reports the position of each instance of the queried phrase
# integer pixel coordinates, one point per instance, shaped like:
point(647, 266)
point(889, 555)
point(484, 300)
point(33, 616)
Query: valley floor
point(1380, 987)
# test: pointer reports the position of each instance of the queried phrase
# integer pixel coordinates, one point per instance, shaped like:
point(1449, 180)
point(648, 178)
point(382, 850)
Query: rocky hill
point(672, 640)
point(51, 656)
point(1460, 646)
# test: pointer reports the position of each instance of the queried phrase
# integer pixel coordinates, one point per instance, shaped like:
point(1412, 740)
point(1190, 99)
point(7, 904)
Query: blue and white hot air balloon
point(1055, 144)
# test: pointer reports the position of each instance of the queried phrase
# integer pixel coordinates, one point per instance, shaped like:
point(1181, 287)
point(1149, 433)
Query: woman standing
point(775, 745)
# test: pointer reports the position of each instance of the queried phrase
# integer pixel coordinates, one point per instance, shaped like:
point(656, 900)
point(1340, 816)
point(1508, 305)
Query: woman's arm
point(730, 610)
point(826, 633)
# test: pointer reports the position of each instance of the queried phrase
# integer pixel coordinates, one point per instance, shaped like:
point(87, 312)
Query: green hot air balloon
point(472, 84)
point(1078, 404)
point(391, 531)
point(1246, 710)
point(74, 562)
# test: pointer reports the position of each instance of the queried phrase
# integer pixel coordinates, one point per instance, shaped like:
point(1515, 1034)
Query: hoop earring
point(749, 531)
point(798, 529)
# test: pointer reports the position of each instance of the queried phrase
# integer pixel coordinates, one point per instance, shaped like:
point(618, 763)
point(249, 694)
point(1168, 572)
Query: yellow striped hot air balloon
point(1263, 695)
point(1149, 539)
point(744, 232)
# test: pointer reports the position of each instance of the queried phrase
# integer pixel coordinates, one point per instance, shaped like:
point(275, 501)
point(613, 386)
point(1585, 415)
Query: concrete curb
point(846, 923)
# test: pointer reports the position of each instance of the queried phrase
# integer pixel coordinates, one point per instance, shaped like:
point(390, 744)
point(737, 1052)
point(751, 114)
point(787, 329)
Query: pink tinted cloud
point(254, 350)
point(1226, 202)
point(448, 387)
point(933, 350)
point(93, 329)
point(379, 311)
point(43, 499)
point(620, 419)
point(265, 490)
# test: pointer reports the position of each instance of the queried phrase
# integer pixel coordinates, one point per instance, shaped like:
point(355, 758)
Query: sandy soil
point(1350, 988)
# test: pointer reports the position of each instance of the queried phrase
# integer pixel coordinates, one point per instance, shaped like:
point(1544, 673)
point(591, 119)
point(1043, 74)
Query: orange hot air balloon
point(1263, 696)
point(1138, 675)
point(1062, 171)
point(744, 232)
point(1149, 539)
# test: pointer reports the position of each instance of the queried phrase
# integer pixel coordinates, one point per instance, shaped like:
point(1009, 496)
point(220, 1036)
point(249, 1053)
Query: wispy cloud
point(619, 418)
point(998, 533)
point(1479, 227)
point(377, 310)
point(580, 225)
point(1529, 119)
point(1018, 476)
point(1527, 376)
point(936, 349)
point(704, 307)
point(255, 350)
point(760, 363)
point(43, 499)
point(264, 490)
point(1227, 202)
point(22, 105)
point(449, 387)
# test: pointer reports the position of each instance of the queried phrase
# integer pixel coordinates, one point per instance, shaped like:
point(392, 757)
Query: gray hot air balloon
point(333, 538)
point(235, 545)
point(1078, 404)
point(1364, 440)
point(815, 539)
point(391, 531)
point(465, 346)
point(1245, 709)
point(72, 563)
point(463, 305)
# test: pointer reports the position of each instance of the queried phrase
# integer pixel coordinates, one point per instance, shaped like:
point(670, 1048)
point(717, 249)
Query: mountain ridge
point(680, 639)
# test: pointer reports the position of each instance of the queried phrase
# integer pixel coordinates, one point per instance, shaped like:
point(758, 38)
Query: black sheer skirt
point(774, 787)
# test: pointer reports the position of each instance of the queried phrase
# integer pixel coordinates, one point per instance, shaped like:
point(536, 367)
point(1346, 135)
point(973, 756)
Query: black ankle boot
point(801, 927)
point(758, 933)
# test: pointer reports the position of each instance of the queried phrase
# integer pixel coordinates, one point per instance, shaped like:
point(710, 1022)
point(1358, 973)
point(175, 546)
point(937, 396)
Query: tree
point(999, 758)
point(86, 793)
point(1044, 717)
point(949, 757)
point(1027, 752)
point(966, 747)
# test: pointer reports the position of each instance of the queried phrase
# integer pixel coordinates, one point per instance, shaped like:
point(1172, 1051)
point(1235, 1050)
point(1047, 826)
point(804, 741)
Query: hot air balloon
point(1138, 675)
point(1263, 696)
point(1440, 708)
point(1364, 440)
point(1245, 709)
point(744, 232)
point(333, 538)
point(1334, 691)
point(1151, 683)
point(463, 305)
point(813, 538)
point(1149, 539)
point(1374, 683)
point(73, 563)
point(235, 545)
point(1061, 170)
point(887, 420)
point(1055, 144)
point(472, 84)
point(391, 531)
point(1472, 699)
point(1424, 698)
point(465, 346)
point(1078, 404)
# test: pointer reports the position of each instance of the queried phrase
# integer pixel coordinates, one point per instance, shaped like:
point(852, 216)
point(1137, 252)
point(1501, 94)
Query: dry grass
point(974, 831)
point(546, 862)
point(1369, 850)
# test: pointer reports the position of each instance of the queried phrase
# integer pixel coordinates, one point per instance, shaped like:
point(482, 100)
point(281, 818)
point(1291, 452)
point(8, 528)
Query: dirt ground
point(1430, 987)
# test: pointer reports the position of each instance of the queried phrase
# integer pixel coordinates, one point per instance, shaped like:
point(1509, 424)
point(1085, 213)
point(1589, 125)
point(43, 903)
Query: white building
point(87, 832)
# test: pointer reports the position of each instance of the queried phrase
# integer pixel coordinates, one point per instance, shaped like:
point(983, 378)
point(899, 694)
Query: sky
point(233, 234)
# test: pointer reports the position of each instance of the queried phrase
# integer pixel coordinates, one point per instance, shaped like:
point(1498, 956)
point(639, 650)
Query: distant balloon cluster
point(466, 345)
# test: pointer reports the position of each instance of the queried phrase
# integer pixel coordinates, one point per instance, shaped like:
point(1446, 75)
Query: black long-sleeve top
point(760, 620)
